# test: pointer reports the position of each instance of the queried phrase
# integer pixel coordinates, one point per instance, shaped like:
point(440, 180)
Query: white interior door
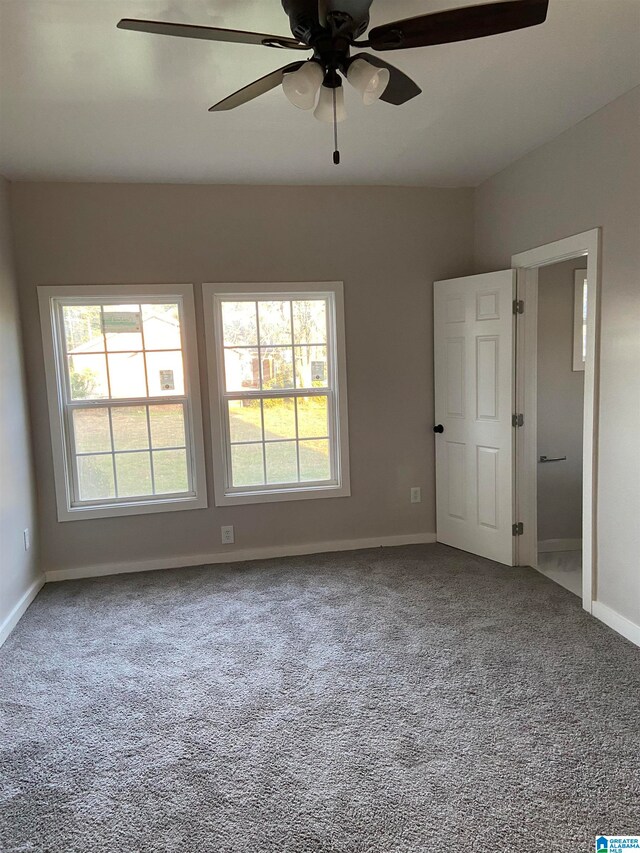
point(474, 394)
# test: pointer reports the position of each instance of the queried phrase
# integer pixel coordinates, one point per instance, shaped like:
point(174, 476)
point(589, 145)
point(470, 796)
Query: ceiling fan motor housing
point(309, 18)
point(304, 19)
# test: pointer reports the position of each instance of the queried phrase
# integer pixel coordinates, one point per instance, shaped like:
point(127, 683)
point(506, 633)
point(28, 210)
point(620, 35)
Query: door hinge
point(518, 529)
point(517, 420)
point(518, 306)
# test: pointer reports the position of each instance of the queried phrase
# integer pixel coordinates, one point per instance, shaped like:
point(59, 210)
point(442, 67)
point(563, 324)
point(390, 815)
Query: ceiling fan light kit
point(302, 86)
point(324, 111)
point(369, 81)
point(330, 28)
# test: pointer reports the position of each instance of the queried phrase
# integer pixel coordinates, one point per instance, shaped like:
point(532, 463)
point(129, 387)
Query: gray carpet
point(382, 701)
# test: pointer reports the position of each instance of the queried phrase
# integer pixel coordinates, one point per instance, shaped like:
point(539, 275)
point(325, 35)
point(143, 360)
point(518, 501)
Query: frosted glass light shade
point(368, 80)
point(301, 86)
point(324, 110)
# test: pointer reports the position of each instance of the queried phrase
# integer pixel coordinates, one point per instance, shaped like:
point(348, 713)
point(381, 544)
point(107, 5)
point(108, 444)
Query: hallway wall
point(560, 406)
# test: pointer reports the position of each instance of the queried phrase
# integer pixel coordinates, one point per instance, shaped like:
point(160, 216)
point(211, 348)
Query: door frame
point(526, 487)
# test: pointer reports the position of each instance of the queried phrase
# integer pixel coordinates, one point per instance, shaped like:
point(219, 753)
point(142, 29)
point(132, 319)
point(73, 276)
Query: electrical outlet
point(416, 495)
point(26, 536)
point(227, 535)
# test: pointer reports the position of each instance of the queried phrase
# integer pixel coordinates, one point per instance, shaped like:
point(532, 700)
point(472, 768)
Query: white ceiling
point(81, 100)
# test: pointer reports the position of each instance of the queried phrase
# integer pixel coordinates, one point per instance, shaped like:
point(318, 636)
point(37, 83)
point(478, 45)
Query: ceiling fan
point(330, 28)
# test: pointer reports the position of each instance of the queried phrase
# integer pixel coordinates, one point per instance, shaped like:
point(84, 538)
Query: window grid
point(110, 403)
point(295, 407)
point(261, 393)
point(151, 351)
point(264, 449)
point(74, 456)
point(147, 449)
point(113, 456)
point(152, 450)
point(148, 416)
point(296, 437)
point(268, 346)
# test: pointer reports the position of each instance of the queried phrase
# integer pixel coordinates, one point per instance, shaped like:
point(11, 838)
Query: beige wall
point(560, 406)
point(18, 568)
point(387, 244)
point(588, 177)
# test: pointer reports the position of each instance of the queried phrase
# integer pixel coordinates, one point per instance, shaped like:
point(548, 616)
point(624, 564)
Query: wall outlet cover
point(416, 495)
point(227, 535)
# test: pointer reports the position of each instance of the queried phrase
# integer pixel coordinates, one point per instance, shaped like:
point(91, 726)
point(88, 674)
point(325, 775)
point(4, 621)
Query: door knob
point(438, 428)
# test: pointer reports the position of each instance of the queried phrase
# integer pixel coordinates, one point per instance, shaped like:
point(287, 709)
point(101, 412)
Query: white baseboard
point(616, 621)
point(547, 545)
point(18, 611)
point(239, 556)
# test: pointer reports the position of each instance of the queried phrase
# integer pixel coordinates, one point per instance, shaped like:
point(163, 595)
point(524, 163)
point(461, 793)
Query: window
point(278, 391)
point(124, 404)
point(579, 319)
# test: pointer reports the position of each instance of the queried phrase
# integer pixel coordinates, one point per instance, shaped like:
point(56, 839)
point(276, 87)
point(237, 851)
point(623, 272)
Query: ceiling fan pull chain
point(336, 153)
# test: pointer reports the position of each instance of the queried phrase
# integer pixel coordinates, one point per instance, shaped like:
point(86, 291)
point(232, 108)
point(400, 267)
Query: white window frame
point(225, 494)
point(50, 299)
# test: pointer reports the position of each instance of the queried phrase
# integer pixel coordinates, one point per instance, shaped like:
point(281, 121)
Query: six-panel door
point(474, 382)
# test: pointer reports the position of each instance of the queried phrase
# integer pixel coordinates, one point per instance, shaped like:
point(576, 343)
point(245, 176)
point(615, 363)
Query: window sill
point(275, 495)
point(83, 513)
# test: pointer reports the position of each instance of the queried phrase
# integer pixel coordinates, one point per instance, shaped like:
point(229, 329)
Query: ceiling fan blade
point(255, 89)
point(190, 31)
point(468, 22)
point(400, 88)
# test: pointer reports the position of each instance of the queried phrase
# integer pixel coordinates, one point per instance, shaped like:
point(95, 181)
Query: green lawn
point(129, 428)
point(279, 419)
point(130, 432)
point(280, 426)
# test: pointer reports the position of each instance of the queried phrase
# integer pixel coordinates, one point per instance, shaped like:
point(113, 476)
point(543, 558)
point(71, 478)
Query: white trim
point(342, 486)
point(242, 555)
point(588, 243)
point(615, 620)
point(20, 608)
point(546, 546)
point(526, 441)
point(579, 281)
point(66, 510)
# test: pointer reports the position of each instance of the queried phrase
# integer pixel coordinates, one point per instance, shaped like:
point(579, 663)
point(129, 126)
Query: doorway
point(560, 388)
point(556, 391)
